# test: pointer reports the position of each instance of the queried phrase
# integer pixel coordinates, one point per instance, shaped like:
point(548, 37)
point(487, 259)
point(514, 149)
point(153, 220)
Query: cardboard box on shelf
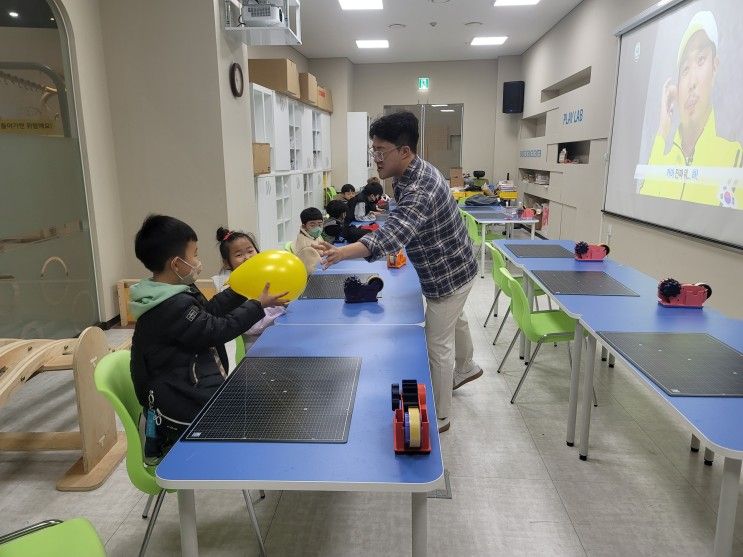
point(261, 158)
point(456, 177)
point(279, 74)
point(308, 88)
point(324, 99)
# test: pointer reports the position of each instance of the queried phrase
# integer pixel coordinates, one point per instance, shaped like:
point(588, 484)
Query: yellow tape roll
point(414, 414)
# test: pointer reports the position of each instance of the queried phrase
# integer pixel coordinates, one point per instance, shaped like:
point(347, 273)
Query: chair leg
point(595, 400)
point(146, 510)
point(526, 371)
point(254, 521)
point(494, 308)
point(549, 302)
point(709, 456)
point(151, 524)
point(536, 302)
point(570, 355)
point(694, 444)
point(502, 323)
point(510, 347)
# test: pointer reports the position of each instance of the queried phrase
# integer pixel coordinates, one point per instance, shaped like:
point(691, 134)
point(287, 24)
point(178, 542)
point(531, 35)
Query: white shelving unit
point(359, 163)
point(299, 136)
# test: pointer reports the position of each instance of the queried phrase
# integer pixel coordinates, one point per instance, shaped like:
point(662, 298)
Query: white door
point(281, 132)
point(266, 203)
point(297, 203)
point(325, 135)
point(358, 147)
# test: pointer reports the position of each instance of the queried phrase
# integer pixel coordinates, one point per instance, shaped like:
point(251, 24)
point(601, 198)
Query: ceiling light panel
point(488, 41)
point(375, 43)
point(361, 4)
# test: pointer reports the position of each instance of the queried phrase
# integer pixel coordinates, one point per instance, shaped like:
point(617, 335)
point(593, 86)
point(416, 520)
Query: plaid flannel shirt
point(428, 224)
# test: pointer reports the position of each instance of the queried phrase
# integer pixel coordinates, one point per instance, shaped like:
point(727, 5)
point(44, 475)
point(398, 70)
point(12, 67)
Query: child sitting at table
point(348, 192)
point(309, 234)
point(363, 206)
point(236, 247)
point(178, 358)
point(335, 228)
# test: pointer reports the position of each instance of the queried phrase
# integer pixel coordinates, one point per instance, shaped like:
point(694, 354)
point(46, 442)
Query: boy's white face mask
point(192, 275)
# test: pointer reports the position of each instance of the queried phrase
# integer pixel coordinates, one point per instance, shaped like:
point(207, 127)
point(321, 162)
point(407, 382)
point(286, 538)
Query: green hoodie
point(147, 294)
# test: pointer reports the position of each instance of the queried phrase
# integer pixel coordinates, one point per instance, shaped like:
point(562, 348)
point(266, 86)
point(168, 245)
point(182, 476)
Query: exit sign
point(423, 83)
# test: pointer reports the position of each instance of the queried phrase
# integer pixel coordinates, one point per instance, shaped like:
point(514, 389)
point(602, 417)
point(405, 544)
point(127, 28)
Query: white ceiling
point(329, 32)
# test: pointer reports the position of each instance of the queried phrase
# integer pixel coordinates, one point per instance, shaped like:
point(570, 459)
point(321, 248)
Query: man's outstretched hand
point(330, 254)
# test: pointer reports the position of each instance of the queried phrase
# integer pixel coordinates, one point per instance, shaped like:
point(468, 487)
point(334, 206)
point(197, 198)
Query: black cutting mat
point(328, 286)
point(304, 400)
point(584, 283)
point(537, 251)
point(683, 364)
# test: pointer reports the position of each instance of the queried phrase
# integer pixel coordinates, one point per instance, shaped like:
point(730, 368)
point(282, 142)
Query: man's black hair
point(160, 239)
point(310, 213)
point(348, 188)
point(336, 208)
point(373, 188)
point(400, 128)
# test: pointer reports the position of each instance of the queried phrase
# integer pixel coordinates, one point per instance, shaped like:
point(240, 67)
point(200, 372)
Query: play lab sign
point(423, 83)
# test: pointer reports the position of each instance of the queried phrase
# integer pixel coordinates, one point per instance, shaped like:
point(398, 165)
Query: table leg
point(530, 302)
point(587, 398)
point(726, 509)
point(533, 229)
point(574, 379)
point(187, 514)
point(482, 252)
point(420, 524)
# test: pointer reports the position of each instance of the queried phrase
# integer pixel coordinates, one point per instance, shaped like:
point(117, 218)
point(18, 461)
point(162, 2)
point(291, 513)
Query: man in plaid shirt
point(427, 223)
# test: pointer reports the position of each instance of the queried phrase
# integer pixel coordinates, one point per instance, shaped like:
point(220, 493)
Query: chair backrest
point(473, 230)
point(520, 307)
point(499, 263)
point(289, 246)
point(114, 380)
point(239, 349)
point(330, 194)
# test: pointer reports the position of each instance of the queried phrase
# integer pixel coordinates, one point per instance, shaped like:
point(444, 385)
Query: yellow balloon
point(284, 271)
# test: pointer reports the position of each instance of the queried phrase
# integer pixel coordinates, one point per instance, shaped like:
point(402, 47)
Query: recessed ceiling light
point(487, 41)
point(361, 4)
point(473, 23)
point(516, 2)
point(437, 105)
point(13, 14)
point(397, 26)
point(440, 1)
point(51, 19)
point(375, 43)
point(447, 110)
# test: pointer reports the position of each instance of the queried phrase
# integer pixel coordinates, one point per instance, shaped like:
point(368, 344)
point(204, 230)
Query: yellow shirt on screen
point(710, 150)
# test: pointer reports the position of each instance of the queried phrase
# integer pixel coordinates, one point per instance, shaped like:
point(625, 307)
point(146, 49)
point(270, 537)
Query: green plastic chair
point(473, 230)
point(330, 194)
point(538, 326)
point(239, 349)
point(113, 379)
point(501, 285)
point(289, 246)
point(53, 538)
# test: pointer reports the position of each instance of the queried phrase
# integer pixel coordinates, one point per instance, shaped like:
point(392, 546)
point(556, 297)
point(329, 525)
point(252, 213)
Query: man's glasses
point(378, 156)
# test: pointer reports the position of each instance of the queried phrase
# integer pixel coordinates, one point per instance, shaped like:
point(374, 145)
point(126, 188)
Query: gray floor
point(517, 489)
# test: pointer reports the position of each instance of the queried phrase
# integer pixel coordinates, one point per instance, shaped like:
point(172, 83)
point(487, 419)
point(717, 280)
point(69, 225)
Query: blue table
point(716, 420)
point(367, 462)
point(401, 301)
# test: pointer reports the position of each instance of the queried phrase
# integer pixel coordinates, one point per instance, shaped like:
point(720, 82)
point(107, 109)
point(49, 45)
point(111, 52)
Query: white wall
point(88, 73)
point(505, 157)
point(472, 82)
point(182, 141)
point(585, 38)
point(337, 75)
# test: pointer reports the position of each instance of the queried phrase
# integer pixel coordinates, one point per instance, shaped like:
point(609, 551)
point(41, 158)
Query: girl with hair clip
point(236, 247)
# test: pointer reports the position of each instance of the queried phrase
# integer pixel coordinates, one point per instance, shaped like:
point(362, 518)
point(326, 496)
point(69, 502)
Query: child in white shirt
point(235, 248)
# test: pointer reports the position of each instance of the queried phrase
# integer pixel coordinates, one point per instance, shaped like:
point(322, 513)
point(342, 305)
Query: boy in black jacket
point(178, 356)
point(335, 228)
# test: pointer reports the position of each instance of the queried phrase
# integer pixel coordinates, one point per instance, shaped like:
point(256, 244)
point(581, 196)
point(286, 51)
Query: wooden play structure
point(101, 445)
point(205, 285)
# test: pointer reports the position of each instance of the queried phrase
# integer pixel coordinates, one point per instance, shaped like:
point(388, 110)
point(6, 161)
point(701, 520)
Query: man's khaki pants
point(449, 344)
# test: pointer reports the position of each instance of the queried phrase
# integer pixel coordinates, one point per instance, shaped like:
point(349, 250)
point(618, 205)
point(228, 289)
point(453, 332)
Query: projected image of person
point(686, 152)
